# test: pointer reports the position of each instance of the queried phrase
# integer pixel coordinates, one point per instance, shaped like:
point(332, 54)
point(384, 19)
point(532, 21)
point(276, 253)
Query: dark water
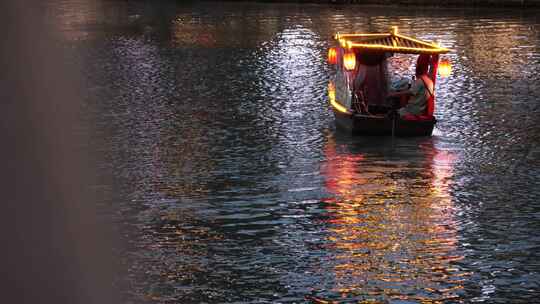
point(221, 160)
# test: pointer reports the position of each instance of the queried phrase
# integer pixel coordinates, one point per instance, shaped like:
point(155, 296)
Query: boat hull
point(382, 126)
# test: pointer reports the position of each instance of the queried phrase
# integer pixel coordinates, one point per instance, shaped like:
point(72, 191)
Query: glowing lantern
point(349, 61)
point(445, 67)
point(332, 56)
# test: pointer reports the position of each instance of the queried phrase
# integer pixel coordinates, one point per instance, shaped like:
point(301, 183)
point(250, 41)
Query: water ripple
point(213, 130)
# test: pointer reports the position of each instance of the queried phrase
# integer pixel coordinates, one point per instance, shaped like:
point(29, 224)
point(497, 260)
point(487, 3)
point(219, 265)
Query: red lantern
point(332, 56)
point(445, 67)
point(349, 61)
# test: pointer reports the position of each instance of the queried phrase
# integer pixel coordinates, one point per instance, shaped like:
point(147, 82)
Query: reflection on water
point(231, 184)
point(393, 223)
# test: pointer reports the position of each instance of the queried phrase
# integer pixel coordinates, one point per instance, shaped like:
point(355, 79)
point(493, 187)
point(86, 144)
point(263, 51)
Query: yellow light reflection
point(331, 90)
point(392, 226)
point(332, 98)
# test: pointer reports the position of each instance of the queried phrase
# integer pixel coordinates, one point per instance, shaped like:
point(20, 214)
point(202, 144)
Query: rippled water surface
point(222, 164)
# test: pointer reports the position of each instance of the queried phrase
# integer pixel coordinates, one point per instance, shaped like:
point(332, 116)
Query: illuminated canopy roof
point(389, 42)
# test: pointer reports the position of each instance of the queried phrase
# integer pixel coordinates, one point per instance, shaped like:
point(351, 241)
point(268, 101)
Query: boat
point(358, 92)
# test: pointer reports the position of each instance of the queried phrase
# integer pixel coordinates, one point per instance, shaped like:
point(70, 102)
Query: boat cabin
point(360, 92)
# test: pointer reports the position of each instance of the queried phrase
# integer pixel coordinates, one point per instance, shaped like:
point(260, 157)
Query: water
point(221, 164)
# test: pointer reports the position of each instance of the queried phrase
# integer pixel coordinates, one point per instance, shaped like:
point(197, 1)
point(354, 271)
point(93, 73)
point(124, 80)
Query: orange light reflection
point(392, 225)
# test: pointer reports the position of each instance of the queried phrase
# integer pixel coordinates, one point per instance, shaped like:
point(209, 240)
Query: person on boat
point(370, 84)
point(419, 93)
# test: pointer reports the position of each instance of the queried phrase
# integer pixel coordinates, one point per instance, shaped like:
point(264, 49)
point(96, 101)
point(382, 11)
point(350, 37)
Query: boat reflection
point(393, 223)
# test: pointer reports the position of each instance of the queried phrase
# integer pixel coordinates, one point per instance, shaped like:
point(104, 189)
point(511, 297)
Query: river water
point(221, 163)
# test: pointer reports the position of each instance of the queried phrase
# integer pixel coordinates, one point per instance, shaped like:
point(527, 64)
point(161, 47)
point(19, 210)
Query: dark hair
point(421, 70)
point(422, 65)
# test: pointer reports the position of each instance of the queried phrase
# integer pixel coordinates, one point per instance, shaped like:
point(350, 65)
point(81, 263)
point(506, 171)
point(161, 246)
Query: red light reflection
point(393, 225)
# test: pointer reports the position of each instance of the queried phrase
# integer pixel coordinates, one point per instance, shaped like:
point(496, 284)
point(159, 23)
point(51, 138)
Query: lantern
point(445, 67)
point(349, 61)
point(332, 56)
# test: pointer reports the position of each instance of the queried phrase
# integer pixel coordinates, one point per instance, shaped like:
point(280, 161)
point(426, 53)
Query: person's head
point(422, 65)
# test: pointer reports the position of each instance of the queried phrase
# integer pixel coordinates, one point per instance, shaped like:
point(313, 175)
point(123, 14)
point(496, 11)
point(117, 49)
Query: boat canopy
point(389, 42)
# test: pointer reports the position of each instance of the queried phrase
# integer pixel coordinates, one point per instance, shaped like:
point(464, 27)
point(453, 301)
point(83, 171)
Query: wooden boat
point(358, 93)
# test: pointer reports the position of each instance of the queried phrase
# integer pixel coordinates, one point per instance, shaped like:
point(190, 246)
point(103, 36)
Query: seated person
point(419, 93)
point(399, 85)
